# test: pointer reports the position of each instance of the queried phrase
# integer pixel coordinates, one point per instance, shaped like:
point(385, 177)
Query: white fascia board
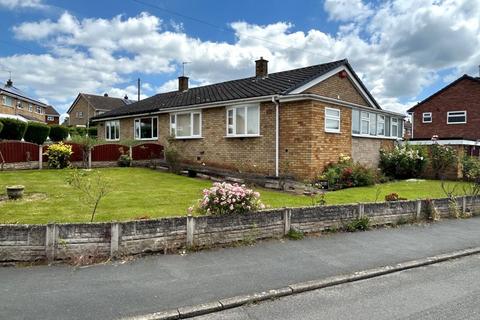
point(446, 142)
point(228, 103)
point(332, 73)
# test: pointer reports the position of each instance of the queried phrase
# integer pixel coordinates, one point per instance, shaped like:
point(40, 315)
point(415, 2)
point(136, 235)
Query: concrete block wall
point(63, 241)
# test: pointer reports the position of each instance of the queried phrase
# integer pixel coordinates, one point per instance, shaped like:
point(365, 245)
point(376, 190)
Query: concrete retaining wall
point(62, 241)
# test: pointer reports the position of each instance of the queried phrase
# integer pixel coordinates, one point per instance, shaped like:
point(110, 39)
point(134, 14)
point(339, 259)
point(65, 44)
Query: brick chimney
point(182, 83)
point(261, 68)
point(9, 83)
point(105, 94)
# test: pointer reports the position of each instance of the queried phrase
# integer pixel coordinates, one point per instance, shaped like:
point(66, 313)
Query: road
point(164, 282)
point(449, 290)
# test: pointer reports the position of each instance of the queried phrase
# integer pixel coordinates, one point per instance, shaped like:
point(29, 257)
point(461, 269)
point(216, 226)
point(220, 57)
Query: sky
point(403, 50)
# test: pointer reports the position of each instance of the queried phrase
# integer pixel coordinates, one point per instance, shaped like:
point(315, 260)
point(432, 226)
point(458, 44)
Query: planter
point(15, 192)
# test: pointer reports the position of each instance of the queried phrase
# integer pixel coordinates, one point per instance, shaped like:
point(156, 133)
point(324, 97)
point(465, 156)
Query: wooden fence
point(18, 152)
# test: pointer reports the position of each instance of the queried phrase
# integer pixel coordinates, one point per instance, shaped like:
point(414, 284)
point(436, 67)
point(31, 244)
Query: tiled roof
point(105, 103)
point(12, 90)
point(276, 83)
point(50, 111)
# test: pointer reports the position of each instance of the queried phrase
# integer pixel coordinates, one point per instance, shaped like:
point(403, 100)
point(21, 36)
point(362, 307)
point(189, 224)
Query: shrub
point(226, 198)
point(403, 162)
point(59, 155)
point(1, 126)
point(58, 133)
point(294, 234)
point(470, 168)
point(358, 224)
point(80, 131)
point(393, 197)
point(124, 160)
point(441, 158)
point(345, 173)
point(36, 132)
point(92, 132)
point(12, 129)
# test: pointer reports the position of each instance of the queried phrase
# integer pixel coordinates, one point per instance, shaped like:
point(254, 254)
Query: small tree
point(86, 143)
point(442, 158)
point(93, 186)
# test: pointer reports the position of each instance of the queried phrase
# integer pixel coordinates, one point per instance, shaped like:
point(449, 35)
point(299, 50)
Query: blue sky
point(403, 50)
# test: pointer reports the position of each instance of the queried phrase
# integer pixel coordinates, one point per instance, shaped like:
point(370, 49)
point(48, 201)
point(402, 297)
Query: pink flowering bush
point(225, 198)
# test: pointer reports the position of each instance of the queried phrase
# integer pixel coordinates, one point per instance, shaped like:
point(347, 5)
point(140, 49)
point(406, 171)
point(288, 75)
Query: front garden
point(139, 193)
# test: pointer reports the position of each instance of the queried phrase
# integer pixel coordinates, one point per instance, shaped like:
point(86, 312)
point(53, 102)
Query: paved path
point(445, 291)
point(164, 282)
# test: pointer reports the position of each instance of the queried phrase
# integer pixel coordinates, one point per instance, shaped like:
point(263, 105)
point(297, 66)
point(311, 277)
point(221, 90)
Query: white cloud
point(347, 10)
point(397, 48)
point(14, 4)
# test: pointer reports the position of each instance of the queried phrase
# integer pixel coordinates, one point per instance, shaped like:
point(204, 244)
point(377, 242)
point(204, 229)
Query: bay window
point(365, 122)
point(332, 120)
point(394, 130)
point(112, 130)
point(355, 121)
point(146, 128)
point(186, 125)
point(243, 120)
point(380, 125)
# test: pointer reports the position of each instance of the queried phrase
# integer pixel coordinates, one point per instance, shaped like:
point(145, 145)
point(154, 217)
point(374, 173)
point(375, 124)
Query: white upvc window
point(365, 123)
point(243, 121)
point(19, 105)
point(79, 114)
point(7, 101)
point(394, 127)
point(380, 125)
point(30, 108)
point(332, 120)
point(146, 128)
point(38, 109)
point(186, 125)
point(456, 117)
point(112, 130)
point(50, 118)
point(427, 117)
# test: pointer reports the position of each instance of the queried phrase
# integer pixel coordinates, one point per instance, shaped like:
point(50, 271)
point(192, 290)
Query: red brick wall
point(465, 95)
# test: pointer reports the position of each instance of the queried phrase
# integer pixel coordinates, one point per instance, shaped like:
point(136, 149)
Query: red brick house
point(293, 122)
point(452, 114)
point(51, 115)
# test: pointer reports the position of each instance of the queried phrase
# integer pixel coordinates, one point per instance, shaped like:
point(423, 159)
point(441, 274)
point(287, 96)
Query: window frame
point(392, 125)
point(4, 101)
point(30, 107)
point(152, 131)
point(234, 122)
point(107, 131)
point(78, 114)
point(334, 118)
point(50, 118)
point(459, 111)
point(383, 122)
point(173, 124)
point(427, 114)
point(367, 119)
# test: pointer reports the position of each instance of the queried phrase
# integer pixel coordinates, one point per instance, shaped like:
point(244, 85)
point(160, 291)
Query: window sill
point(332, 131)
point(112, 140)
point(187, 138)
point(456, 123)
point(244, 136)
point(375, 137)
point(146, 139)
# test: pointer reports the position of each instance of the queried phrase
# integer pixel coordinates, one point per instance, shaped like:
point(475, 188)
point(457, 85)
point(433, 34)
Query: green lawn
point(138, 192)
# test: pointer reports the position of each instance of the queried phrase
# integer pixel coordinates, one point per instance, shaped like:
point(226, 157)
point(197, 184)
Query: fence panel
point(147, 151)
point(108, 152)
point(18, 151)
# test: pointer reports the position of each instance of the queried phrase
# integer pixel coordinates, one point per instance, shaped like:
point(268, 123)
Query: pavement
point(444, 291)
point(164, 282)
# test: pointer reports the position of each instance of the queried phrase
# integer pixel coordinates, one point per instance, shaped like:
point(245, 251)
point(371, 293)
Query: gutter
point(275, 100)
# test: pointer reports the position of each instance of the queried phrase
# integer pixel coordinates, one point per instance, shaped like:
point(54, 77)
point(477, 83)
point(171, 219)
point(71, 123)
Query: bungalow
point(285, 123)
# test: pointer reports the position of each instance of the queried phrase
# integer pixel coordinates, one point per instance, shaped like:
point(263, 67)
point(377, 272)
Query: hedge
point(36, 132)
point(58, 133)
point(12, 129)
point(92, 132)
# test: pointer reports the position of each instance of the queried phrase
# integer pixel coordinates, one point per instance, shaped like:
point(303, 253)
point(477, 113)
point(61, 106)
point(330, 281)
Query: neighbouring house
point(86, 106)
point(451, 116)
point(52, 116)
point(285, 123)
point(16, 104)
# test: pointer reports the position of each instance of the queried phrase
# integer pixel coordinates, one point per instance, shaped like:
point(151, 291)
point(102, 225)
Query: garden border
point(28, 243)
